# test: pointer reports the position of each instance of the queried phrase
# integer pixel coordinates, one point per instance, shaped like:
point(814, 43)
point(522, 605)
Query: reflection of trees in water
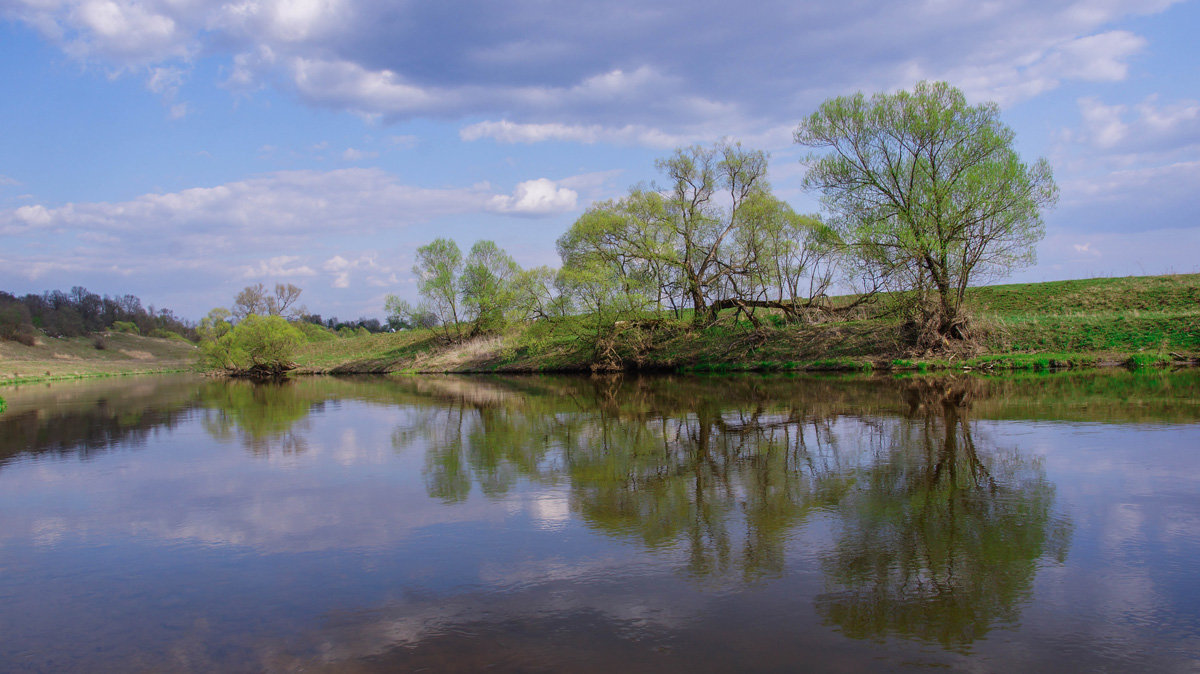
point(84, 420)
point(938, 531)
point(941, 534)
point(265, 416)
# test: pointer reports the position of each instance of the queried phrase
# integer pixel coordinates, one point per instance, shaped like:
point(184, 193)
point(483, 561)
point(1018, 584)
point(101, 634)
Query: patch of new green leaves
point(257, 343)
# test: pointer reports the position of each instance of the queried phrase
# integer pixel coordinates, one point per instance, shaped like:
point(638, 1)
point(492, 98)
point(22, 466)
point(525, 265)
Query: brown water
point(575, 524)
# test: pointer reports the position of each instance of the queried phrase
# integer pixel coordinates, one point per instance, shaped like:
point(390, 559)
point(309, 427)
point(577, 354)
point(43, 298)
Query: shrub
point(1140, 361)
point(99, 342)
point(127, 327)
point(167, 334)
point(256, 346)
point(26, 336)
point(315, 333)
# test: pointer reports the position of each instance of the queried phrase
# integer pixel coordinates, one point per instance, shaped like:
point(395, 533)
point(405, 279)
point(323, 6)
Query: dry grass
point(78, 357)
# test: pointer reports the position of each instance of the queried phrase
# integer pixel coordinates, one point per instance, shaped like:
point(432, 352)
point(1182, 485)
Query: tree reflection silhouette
point(940, 538)
point(937, 533)
point(262, 415)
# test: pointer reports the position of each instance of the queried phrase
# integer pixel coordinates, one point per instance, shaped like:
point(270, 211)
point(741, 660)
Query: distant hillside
point(70, 356)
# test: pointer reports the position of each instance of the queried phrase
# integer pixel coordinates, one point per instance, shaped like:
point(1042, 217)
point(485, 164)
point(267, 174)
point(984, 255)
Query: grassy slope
point(78, 356)
point(1084, 321)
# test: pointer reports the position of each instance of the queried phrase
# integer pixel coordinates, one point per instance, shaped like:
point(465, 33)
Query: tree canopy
point(255, 346)
point(713, 236)
point(928, 191)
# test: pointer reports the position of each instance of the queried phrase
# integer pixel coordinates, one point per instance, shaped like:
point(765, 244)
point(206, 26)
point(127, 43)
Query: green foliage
point(487, 288)
point(167, 334)
point(712, 233)
point(927, 191)
point(1141, 361)
point(3, 405)
point(314, 333)
point(437, 269)
point(261, 345)
point(127, 327)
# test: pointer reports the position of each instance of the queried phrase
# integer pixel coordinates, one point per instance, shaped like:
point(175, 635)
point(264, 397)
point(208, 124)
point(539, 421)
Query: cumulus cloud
point(340, 268)
point(535, 197)
point(280, 266)
point(354, 154)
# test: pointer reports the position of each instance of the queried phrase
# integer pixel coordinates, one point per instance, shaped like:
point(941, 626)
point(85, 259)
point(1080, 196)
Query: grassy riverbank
point(1153, 320)
point(1144, 320)
point(79, 357)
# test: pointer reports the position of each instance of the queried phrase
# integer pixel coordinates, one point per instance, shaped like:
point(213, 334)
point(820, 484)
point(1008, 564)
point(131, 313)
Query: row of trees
point(475, 295)
point(924, 193)
point(80, 312)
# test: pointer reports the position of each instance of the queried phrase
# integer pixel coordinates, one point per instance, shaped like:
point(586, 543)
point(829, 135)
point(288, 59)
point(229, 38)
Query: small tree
point(256, 346)
point(487, 287)
point(437, 269)
point(256, 300)
point(927, 190)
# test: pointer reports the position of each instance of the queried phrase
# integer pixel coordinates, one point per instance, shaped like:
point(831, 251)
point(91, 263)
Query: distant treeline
point(79, 312)
point(371, 325)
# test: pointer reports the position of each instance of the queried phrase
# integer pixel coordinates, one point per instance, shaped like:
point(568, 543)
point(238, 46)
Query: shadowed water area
point(743, 523)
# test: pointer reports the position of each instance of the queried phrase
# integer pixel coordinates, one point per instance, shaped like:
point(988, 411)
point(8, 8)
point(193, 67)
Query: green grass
point(78, 357)
point(1024, 327)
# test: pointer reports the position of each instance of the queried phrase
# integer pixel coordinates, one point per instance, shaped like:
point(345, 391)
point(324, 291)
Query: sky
point(180, 150)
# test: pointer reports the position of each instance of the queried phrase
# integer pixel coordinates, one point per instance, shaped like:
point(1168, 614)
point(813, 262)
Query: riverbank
point(108, 355)
point(1137, 321)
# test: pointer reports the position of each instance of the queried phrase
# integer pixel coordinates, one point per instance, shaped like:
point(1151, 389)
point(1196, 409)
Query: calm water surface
point(617, 524)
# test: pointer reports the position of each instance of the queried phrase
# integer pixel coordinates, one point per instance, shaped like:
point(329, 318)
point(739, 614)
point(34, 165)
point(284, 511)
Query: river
point(667, 523)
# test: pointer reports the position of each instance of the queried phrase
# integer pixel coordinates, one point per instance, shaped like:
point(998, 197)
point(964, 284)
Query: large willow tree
point(928, 191)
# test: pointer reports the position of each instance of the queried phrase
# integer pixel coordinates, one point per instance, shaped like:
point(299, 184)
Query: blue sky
point(182, 149)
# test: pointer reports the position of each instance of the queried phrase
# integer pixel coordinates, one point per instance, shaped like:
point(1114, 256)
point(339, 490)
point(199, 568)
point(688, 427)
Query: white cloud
point(278, 267)
point(1096, 58)
point(1137, 131)
point(267, 208)
point(354, 154)
point(128, 31)
point(341, 267)
point(535, 197)
point(1102, 122)
point(349, 85)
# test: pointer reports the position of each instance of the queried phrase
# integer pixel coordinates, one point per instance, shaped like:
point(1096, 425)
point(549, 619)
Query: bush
point(256, 346)
point(127, 327)
point(26, 336)
point(167, 334)
point(99, 342)
point(3, 405)
point(315, 333)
